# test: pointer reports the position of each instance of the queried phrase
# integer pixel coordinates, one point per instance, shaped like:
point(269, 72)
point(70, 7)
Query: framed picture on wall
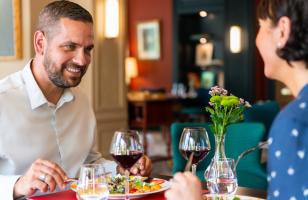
point(10, 29)
point(204, 54)
point(208, 79)
point(148, 40)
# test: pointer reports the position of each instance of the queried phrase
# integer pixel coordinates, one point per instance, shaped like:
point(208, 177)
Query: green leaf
point(215, 99)
point(233, 97)
point(210, 110)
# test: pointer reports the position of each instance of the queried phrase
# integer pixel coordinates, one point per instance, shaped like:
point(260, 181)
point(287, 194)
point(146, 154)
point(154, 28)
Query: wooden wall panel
point(108, 78)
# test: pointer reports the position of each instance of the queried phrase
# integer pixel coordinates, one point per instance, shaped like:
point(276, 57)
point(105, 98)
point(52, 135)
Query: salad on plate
point(138, 185)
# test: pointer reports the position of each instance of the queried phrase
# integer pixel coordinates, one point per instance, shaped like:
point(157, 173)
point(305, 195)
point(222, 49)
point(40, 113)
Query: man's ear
point(284, 26)
point(39, 42)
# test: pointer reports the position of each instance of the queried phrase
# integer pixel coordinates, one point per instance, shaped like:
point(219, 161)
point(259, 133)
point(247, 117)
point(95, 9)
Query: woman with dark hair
point(283, 43)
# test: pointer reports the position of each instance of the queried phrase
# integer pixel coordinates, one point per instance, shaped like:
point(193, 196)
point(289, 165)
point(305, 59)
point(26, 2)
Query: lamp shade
point(131, 69)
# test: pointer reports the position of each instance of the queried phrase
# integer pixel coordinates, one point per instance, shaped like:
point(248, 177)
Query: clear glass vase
point(221, 173)
point(219, 147)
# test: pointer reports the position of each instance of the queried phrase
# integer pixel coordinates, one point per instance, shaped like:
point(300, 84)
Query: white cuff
point(7, 184)
point(110, 166)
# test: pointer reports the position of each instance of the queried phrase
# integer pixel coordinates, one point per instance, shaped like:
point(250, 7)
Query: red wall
point(152, 73)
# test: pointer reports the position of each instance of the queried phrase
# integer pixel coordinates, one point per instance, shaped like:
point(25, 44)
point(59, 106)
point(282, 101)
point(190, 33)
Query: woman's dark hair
point(296, 48)
point(53, 12)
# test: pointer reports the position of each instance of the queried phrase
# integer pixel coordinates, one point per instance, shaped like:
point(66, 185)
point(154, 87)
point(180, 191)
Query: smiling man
point(47, 124)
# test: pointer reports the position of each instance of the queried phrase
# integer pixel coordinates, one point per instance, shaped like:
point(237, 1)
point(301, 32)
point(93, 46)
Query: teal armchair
point(240, 137)
point(264, 112)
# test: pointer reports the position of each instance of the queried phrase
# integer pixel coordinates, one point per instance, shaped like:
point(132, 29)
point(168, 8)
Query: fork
point(261, 145)
point(68, 180)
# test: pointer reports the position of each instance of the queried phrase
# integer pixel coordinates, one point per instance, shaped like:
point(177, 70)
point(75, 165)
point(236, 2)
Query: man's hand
point(143, 167)
point(43, 175)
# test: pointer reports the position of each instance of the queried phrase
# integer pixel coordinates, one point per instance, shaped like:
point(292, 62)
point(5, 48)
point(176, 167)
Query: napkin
point(71, 195)
point(66, 195)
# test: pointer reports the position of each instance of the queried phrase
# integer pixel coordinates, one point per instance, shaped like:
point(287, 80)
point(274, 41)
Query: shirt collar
point(67, 96)
point(36, 95)
point(303, 91)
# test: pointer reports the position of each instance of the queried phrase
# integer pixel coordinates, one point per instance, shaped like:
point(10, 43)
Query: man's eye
point(69, 47)
point(88, 50)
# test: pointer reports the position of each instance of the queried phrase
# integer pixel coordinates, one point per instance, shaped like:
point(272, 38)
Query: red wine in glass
point(198, 155)
point(126, 148)
point(194, 144)
point(127, 161)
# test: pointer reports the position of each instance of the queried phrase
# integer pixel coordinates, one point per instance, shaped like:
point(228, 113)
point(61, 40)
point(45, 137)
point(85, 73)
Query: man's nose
point(81, 58)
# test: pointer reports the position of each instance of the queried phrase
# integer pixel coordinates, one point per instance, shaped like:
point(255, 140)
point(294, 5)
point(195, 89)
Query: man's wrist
point(120, 170)
point(16, 193)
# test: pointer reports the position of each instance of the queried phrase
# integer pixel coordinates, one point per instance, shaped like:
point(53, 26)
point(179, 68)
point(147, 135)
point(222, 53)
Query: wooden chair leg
point(145, 142)
point(166, 133)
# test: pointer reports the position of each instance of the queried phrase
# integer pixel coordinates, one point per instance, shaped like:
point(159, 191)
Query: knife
point(189, 162)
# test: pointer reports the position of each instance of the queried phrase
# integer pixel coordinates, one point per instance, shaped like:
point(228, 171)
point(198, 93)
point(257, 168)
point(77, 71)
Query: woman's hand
point(142, 167)
point(43, 175)
point(184, 186)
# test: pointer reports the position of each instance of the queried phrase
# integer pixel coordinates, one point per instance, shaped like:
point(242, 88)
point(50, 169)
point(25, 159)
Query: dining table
point(71, 195)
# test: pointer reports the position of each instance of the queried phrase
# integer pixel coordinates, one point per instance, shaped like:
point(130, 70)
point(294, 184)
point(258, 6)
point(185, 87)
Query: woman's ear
point(39, 40)
point(284, 29)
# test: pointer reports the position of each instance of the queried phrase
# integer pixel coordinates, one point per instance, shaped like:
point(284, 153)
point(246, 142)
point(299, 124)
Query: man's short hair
point(53, 12)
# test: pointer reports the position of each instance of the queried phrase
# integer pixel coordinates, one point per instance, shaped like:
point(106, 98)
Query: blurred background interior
point(155, 61)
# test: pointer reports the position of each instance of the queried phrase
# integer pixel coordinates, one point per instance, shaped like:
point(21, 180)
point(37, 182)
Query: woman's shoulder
point(298, 108)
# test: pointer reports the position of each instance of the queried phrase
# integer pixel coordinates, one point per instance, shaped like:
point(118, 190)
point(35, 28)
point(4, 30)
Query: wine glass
point(194, 145)
point(221, 177)
point(91, 183)
point(126, 148)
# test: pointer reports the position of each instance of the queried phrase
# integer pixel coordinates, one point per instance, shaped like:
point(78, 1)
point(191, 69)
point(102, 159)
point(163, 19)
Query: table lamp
point(131, 70)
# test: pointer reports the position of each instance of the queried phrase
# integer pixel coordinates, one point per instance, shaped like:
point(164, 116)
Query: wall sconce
point(131, 70)
point(203, 13)
point(235, 39)
point(112, 18)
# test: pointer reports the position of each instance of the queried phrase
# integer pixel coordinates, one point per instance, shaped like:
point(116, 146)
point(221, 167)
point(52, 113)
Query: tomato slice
point(133, 190)
point(158, 181)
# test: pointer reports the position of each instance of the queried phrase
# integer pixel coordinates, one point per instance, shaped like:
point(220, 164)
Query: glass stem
point(126, 184)
point(194, 169)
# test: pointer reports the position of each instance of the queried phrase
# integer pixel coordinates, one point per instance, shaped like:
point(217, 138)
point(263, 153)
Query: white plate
point(242, 197)
point(165, 185)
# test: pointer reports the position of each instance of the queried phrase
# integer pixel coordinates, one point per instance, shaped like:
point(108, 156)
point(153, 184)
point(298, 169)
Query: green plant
point(224, 109)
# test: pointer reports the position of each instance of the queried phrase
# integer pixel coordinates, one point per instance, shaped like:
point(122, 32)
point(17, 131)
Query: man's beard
point(55, 75)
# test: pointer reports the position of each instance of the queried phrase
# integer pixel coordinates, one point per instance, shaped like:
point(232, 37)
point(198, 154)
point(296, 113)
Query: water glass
point(92, 183)
point(221, 177)
point(174, 89)
point(181, 90)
